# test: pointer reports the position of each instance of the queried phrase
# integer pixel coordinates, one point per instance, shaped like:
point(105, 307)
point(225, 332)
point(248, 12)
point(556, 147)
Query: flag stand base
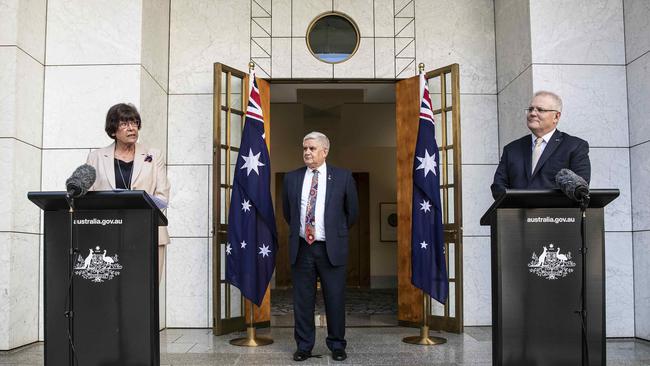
point(251, 340)
point(424, 339)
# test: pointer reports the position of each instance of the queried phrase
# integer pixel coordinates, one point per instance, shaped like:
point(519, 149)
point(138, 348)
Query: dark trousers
point(312, 262)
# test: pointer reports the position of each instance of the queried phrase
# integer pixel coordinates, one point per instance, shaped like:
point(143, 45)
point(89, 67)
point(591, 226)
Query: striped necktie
point(537, 152)
point(310, 215)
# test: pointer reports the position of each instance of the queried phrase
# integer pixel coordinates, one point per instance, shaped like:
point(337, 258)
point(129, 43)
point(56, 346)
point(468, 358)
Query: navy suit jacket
point(562, 151)
point(341, 211)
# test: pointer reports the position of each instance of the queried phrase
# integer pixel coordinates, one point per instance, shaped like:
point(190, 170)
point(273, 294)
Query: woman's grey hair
point(556, 98)
point(324, 141)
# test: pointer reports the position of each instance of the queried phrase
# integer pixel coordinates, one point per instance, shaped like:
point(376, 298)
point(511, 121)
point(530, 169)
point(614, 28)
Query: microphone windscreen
point(81, 180)
point(573, 185)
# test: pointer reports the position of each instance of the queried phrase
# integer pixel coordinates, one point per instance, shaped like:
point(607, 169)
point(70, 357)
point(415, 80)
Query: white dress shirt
point(546, 138)
point(319, 214)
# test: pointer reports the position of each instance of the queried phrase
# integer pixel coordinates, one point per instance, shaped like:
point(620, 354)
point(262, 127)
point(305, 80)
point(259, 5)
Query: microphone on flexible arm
point(80, 181)
point(573, 185)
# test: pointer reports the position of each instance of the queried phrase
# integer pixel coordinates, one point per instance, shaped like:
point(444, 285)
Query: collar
point(546, 137)
point(322, 170)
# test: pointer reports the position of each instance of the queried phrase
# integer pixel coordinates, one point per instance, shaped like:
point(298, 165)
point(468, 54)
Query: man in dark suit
point(532, 161)
point(319, 204)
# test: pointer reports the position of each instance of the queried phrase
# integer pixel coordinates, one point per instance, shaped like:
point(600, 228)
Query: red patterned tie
point(310, 215)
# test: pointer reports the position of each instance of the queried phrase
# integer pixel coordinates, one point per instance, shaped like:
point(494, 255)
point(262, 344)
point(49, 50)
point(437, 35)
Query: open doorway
point(359, 119)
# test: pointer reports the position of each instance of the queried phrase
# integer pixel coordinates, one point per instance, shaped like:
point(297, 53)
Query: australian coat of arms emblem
point(551, 264)
point(97, 266)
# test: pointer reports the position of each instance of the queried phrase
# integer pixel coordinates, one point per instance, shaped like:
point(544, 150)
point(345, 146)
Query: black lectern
point(537, 278)
point(114, 278)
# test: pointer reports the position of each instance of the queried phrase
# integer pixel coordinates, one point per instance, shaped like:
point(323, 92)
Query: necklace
point(119, 167)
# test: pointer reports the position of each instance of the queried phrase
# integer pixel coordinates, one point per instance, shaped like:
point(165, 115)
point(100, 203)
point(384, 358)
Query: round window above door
point(333, 37)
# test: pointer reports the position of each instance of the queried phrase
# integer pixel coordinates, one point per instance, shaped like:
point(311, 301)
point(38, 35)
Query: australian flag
point(429, 270)
point(252, 235)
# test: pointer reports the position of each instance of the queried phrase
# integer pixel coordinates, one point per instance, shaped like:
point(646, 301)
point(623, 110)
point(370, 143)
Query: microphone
point(80, 181)
point(573, 185)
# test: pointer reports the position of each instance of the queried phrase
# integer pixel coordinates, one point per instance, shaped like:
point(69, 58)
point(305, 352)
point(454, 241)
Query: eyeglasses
point(539, 110)
point(126, 124)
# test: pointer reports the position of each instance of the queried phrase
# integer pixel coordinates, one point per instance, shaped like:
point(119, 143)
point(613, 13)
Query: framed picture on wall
point(387, 221)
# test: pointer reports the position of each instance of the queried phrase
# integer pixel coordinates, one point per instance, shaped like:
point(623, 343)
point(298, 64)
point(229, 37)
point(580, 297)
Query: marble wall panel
point(479, 129)
point(512, 28)
point(20, 297)
point(305, 65)
point(619, 284)
point(197, 41)
point(89, 91)
point(358, 10)
point(477, 197)
point(512, 102)
point(188, 206)
point(281, 58)
point(94, 32)
point(441, 41)
point(155, 39)
point(637, 28)
point(594, 98)
point(58, 165)
point(187, 287)
point(384, 58)
point(8, 22)
point(21, 167)
point(638, 93)
point(153, 112)
point(640, 176)
point(384, 18)
point(360, 65)
point(477, 284)
point(21, 96)
point(281, 18)
point(641, 288)
point(22, 23)
point(303, 13)
point(610, 168)
point(190, 145)
point(577, 32)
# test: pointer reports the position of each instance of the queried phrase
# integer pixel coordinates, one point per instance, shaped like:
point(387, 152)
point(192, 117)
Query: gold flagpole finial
point(421, 67)
point(251, 65)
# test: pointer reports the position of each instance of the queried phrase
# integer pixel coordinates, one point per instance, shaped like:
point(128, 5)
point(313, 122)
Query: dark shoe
point(339, 355)
point(301, 355)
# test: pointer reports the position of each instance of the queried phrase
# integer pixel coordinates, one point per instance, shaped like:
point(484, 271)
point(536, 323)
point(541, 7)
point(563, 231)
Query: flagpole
point(424, 339)
point(251, 339)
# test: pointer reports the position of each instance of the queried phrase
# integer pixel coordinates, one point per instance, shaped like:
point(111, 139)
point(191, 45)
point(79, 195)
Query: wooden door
point(443, 82)
point(359, 238)
point(229, 109)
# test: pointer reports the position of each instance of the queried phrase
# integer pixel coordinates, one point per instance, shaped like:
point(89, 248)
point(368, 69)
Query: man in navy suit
point(319, 204)
point(532, 161)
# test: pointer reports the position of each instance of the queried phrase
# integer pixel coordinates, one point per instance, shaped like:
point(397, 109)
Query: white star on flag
point(428, 163)
point(228, 249)
point(425, 206)
point(423, 245)
point(243, 244)
point(264, 250)
point(251, 162)
point(246, 205)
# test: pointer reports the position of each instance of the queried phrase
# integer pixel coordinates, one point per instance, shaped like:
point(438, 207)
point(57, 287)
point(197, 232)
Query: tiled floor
point(367, 346)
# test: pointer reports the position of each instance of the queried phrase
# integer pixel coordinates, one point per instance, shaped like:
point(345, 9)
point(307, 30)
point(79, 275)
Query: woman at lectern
point(127, 164)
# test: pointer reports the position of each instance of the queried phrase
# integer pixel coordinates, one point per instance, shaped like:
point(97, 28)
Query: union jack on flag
point(252, 235)
point(428, 265)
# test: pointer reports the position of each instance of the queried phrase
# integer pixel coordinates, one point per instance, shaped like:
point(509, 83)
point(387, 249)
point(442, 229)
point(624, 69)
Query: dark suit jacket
point(341, 211)
point(562, 151)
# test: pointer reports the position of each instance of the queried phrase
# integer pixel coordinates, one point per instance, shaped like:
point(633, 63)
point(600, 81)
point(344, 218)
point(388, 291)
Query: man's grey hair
point(556, 98)
point(324, 141)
